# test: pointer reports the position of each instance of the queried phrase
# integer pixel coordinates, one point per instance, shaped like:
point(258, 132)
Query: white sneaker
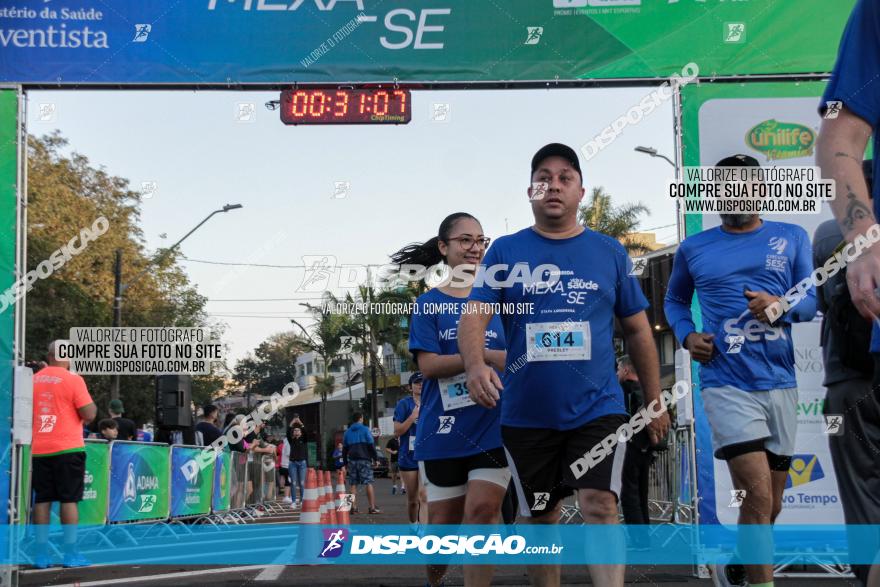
point(297, 504)
point(728, 575)
point(287, 500)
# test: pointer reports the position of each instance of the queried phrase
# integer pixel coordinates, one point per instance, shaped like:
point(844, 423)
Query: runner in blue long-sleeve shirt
point(749, 392)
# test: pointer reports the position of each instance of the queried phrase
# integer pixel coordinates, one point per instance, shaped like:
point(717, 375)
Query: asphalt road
point(394, 512)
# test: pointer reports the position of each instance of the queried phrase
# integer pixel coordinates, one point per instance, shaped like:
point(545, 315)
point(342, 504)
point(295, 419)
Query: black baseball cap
point(738, 161)
point(557, 150)
point(416, 377)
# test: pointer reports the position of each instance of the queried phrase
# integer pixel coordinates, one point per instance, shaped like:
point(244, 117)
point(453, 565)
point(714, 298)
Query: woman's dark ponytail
point(427, 253)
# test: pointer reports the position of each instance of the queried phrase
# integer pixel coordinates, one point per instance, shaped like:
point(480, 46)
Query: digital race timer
point(345, 106)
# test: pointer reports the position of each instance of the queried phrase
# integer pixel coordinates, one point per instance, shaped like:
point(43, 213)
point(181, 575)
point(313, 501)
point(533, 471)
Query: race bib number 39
point(558, 341)
point(454, 393)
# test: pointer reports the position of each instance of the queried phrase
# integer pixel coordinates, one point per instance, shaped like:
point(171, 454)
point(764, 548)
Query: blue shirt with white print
point(567, 378)
point(855, 81)
point(406, 455)
point(465, 428)
point(720, 265)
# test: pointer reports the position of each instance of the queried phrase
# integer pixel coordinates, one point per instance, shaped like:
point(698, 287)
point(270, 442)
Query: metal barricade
point(238, 487)
point(669, 479)
point(670, 484)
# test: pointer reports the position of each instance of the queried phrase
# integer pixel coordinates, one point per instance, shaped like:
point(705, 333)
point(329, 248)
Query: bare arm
point(643, 352)
point(400, 428)
point(839, 153)
point(483, 382)
point(434, 366)
point(87, 413)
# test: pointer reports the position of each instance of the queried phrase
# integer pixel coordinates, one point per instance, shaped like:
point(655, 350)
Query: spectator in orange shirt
point(62, 405)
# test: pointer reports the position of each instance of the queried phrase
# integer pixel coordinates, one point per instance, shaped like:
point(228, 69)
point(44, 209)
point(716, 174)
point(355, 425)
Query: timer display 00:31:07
point(345, 106)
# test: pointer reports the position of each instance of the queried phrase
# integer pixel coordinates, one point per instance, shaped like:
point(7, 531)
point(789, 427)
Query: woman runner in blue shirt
point(458, 443)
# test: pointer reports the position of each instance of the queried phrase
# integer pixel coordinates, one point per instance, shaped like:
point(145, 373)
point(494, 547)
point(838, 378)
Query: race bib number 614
point(558, 341)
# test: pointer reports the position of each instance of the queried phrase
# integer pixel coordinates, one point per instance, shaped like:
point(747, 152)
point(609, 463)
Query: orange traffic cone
point(310, 535)
point(322, 499)
point(310, 513)
point(343, 504)
point(340, 489)
point(331, 502)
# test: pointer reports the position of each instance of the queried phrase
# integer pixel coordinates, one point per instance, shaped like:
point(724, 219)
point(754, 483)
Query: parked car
point(380, 467)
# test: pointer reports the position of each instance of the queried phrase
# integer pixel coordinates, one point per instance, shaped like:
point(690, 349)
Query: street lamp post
point(119, 288)
point(653, 153)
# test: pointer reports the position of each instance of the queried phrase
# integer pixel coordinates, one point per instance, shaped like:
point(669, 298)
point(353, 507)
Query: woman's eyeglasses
point(468, 242)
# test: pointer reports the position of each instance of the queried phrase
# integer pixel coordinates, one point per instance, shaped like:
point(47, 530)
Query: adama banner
point(92, 42)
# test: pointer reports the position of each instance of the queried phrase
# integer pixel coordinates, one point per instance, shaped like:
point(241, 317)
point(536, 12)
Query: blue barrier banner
point(294, 544)
point(139, 481)
point(190, 484)
point(220, 496)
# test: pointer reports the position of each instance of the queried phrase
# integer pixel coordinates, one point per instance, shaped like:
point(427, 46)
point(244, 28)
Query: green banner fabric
point(139, 481)
point(220, 497)
point(8, 181)
point(190, 484)
point(233, 42)
point(96, 492)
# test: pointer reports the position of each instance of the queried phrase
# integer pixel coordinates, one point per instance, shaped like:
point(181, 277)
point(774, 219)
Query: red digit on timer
point(312, 101)
point(343, 104)
point(363, 100)
point(402, 95)
point(298, 97)
point(384, 107)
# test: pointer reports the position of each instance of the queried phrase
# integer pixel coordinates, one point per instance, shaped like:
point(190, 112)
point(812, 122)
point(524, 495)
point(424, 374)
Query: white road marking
point(162, 577)
point(271, 573)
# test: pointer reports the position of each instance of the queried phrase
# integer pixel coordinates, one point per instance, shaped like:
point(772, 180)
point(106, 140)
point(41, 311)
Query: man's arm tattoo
point(853, 157)
point(856, 211)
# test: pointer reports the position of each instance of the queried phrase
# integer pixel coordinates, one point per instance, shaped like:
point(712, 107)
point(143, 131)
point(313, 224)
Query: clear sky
point(403, 179)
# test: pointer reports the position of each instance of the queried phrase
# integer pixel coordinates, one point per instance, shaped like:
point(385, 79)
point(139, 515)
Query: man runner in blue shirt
point(561, 394)
point(749, 389)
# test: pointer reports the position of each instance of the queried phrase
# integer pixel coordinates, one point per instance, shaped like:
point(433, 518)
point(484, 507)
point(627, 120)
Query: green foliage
point(66, 193)
point(272, 365)
point(618, 222)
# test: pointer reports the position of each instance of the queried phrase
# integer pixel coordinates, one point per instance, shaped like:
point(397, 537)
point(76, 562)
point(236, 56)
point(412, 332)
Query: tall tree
point(616, 221)
point(376, 328)
point(67, 193)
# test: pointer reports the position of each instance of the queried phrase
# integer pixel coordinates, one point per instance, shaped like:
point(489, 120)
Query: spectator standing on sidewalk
point(359, 453)
point(62, 405)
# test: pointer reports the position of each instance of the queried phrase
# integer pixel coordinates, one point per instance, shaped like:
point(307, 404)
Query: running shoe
point(403, 490)
point(287, 500)
point(75, 559)
point(393, 490)
point(374, 511)
point(42, 561)
point(728, 575)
